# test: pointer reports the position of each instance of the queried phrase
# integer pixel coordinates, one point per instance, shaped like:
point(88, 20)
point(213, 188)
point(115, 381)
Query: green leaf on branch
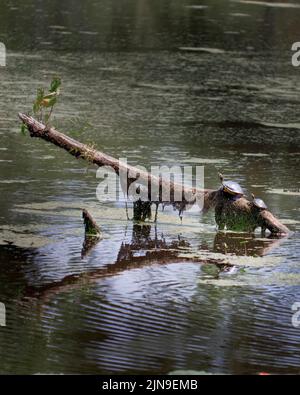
point(46, 100)
point(55, 84)
point(38, 100)
point(24, 129)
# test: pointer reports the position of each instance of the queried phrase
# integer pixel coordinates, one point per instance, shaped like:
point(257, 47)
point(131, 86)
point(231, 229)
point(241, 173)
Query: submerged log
point(240, 214)
point(92, 233)
point(90, 226)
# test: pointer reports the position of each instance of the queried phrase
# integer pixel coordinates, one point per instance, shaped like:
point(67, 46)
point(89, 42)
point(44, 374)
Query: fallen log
point(239, 214)
point(178, 193)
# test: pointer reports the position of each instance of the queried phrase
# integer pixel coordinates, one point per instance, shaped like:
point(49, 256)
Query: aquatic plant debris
point(109, 214)
point(231, 259)
point(278, 279)
point(23, 236)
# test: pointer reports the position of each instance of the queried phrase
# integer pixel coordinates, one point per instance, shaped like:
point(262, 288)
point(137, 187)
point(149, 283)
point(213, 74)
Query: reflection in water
point(131, 90)
point(137, 315)
point(144, 250)
point(239, 244)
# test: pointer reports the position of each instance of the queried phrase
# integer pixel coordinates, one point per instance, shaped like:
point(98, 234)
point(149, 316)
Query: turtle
point(231, 187)
point(259, 203)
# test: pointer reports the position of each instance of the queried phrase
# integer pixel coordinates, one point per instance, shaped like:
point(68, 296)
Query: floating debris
point(233, 260)
point(23, 236)
point(251, 280)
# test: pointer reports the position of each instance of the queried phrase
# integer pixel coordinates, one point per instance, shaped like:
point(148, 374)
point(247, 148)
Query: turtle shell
point(233, 188)
point(259, 203)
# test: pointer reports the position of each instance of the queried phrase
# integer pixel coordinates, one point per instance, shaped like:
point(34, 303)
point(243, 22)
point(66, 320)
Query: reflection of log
point(144, 250)
point(240, 214)
point(140, 252)
point(242, 244)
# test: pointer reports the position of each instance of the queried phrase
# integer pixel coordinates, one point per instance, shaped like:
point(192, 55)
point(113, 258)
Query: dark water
point(158, 82)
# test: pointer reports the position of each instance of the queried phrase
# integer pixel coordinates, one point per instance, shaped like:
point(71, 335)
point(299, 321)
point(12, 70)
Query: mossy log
point(240, 214)
point(80, 150)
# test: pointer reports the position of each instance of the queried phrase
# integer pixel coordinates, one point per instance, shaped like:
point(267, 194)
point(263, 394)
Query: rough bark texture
point(238, 214)
point(79, 150)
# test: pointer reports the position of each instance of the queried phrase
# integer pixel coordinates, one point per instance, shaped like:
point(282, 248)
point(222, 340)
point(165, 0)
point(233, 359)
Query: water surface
point(159, 82)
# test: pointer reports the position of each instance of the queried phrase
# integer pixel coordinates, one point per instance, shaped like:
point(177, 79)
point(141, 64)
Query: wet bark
point(178, 193)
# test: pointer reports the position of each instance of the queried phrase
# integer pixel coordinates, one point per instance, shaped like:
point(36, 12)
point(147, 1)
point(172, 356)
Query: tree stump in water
point(92, 233)
point(91, 228)
point(141, 210)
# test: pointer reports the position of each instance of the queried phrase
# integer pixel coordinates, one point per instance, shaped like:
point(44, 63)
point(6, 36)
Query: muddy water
point(170, 82)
